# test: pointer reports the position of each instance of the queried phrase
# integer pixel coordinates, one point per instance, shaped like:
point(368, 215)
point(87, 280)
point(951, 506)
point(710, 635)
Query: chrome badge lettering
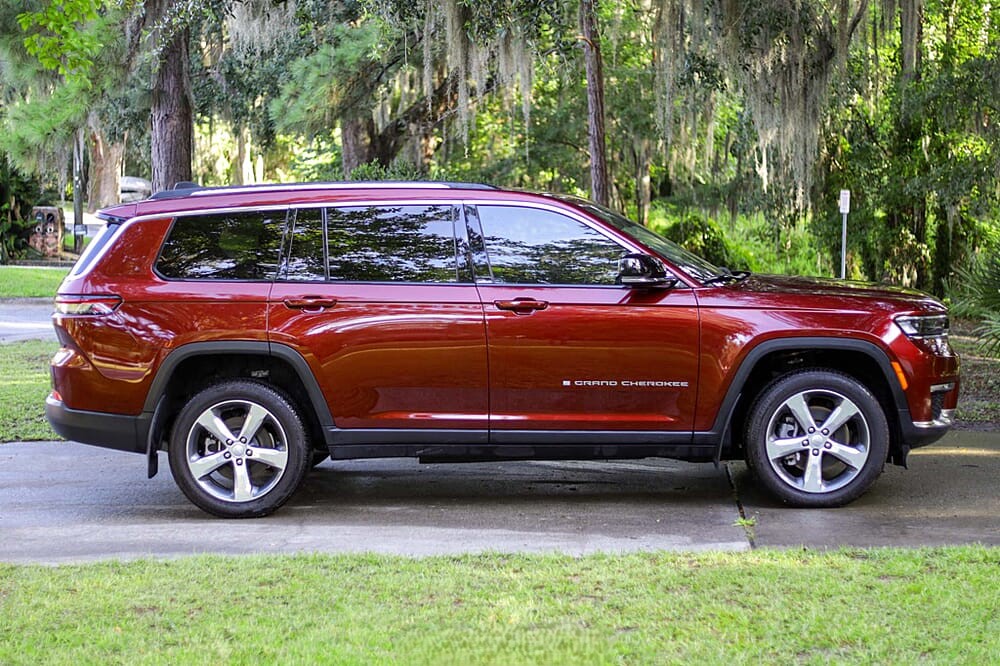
point(625, 383)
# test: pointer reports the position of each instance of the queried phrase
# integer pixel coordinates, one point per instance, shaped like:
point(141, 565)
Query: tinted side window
point(532, 246)
point(392, 243)
point(229, 246)
point(305, 258)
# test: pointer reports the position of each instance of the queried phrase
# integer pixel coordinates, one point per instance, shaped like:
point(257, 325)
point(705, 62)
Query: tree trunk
point(643, 195)
point(356, 143)
point(172, 135)
point(599, 186)
point(244, 171)
point(911, 14)
point(103, 184)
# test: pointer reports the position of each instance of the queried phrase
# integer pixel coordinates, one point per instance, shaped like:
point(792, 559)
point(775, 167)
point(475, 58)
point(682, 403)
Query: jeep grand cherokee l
point(250, 332)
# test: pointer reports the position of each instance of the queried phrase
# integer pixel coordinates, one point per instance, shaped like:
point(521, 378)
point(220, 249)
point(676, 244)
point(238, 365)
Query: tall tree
point(596, 135)
point(171, 113)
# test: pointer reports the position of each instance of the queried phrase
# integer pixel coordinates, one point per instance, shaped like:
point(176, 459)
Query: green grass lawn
point(24, 383)
point(857, 606)
point(24, 281)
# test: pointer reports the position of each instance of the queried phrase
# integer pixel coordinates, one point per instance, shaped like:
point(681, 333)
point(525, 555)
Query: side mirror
point(642, 270)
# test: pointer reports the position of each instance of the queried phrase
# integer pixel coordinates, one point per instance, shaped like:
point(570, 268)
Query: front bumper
point(111, 431)
point(921, 433)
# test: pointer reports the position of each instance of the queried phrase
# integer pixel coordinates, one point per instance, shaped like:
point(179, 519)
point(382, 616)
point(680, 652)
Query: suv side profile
point(250, 332)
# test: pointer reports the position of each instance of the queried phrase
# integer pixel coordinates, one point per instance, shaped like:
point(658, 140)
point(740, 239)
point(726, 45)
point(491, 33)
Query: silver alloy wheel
point(236, 451)
point(818, 441)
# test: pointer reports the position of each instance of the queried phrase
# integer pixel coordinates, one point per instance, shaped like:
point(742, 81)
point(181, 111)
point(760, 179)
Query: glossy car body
point(474, 368)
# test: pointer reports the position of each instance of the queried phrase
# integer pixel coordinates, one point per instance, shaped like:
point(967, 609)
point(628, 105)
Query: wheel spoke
point(242, 487)
point(848, 455)
point(812, 480)
point(205, 465)
point(276, 458)
point(779, 448)
point(211, 422)
point(255, 418)
point(843, 413)
point(800, 410)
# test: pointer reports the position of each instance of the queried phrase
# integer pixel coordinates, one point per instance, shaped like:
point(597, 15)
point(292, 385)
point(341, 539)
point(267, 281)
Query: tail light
point(89, 305)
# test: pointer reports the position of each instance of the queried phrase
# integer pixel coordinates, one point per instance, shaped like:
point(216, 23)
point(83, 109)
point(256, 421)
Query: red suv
point(252, 331)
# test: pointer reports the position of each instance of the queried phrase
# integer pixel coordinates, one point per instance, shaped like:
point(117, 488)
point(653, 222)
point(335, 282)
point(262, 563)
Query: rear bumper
point(110, 431)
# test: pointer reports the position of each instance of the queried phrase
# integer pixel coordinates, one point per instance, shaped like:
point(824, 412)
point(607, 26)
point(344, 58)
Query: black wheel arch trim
point(753, 357)
point(240, 347)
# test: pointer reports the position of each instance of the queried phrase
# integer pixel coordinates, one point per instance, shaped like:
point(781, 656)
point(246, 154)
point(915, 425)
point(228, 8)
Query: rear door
point(569, 348)
point(380, 301)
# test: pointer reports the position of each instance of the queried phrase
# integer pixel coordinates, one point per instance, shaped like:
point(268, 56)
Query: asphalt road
point(66, 502)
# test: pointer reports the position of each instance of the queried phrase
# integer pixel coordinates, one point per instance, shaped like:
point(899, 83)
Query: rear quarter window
point(229, 246)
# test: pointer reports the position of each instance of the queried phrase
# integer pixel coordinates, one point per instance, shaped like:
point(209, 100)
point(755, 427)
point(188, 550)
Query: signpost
point(845, 208)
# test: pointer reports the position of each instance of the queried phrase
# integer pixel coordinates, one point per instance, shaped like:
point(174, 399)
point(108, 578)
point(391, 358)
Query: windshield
point(690, 263)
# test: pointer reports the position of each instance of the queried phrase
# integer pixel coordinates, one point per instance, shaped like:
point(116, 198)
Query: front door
point(569, 348)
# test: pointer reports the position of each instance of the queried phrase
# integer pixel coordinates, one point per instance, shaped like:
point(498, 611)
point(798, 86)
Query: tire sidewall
point(776, 393)
point(281, 407)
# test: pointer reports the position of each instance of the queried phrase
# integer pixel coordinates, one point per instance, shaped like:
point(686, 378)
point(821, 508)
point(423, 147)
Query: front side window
point(535, 246)
point(392, 244)
point(223, 246)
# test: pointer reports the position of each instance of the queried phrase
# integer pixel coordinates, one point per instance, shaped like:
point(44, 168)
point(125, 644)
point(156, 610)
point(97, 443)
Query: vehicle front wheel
point(817, 438)
point(239, 449)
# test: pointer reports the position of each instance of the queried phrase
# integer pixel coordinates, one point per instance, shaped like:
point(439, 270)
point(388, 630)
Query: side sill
point(109, 431)
point(479, 446)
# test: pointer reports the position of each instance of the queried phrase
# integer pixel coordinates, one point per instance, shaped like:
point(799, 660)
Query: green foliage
point(975, 294)
point(59, 42)
point(749, 242)
point(18, 193)
point(703, 236)
point(396, 171)
point(331, 81)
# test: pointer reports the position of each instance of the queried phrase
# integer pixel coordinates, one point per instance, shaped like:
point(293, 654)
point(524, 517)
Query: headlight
point(924, 326)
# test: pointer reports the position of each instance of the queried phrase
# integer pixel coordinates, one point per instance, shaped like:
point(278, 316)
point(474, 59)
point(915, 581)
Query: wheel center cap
point(817, 440)
point(238, 450)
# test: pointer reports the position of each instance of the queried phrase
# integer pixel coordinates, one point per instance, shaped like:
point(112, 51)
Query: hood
point(897, 297)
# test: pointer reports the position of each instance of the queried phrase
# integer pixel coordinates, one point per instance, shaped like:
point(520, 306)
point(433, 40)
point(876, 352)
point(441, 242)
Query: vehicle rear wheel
point(817, 438)
point(239, 449)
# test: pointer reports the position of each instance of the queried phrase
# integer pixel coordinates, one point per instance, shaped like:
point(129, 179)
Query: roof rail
point(185, 189)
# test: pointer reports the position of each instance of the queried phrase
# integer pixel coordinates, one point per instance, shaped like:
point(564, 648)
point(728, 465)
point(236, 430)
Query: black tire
point(230, 478)
point(823, 467)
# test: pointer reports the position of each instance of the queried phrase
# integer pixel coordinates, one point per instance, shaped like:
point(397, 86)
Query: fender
point(721, 427)
point(152, 412)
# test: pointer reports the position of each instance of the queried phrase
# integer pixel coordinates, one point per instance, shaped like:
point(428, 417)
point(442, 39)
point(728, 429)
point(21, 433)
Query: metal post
point(843, 248)
point(77, 189)
point(845, 208)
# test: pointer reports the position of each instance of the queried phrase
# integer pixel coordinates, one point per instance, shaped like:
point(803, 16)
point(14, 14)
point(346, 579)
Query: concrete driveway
point(26, 319)
point(65, 502)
